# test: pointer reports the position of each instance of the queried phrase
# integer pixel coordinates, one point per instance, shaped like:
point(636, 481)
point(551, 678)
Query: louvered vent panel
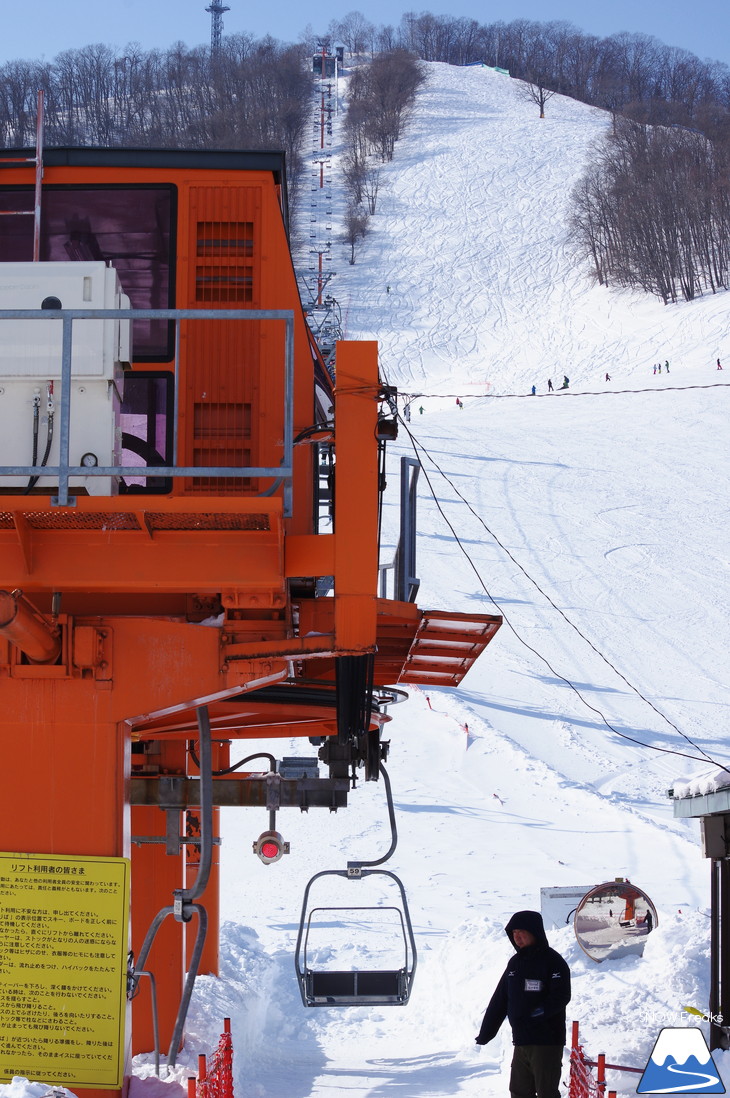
point(220, 381)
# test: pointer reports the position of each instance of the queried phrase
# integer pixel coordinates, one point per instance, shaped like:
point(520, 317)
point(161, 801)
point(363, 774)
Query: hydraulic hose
point(184, 906)
point(36, 423)
point(187, 895)
point(49, 439)
point(189, 983)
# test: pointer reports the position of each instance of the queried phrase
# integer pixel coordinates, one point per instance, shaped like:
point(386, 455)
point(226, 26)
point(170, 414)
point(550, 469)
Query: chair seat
point(351, 988)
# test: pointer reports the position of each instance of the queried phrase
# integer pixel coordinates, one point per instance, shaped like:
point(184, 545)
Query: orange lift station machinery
point(189, 540)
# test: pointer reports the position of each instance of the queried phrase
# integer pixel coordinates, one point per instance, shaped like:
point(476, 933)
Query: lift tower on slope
point(323, 310)
point(216, 9)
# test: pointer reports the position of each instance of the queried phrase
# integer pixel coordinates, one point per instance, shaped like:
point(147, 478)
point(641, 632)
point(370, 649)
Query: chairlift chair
point(340, 988)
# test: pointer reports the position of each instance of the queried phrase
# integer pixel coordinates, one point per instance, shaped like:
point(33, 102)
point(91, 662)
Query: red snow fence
point(215, 1079)
point(583, 1083)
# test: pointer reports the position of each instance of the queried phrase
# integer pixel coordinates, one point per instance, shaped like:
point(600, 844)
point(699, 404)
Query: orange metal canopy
point(438, 652)
point(416, 647)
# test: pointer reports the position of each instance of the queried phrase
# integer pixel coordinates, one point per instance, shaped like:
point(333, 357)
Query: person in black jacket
point(533, 993)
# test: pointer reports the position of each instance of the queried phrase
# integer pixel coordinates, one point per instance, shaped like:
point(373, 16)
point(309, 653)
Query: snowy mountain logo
point(680, 1062)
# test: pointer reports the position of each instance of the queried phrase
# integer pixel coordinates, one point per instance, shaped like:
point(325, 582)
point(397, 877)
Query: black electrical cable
point(704, 756)
point(236, 766)
point(44, 460)
point(381, 490)
point(36, 421)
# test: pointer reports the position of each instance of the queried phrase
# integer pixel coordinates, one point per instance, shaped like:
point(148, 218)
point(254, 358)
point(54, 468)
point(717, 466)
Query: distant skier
point(534, 390)
point(421, 409)
point(655, 367)
point(666, 366)
point(659, 367)
point(550, 385)
point(387, 289)
point(608, 377)
point(718, 364)
point(566, 382)
point(459, 403)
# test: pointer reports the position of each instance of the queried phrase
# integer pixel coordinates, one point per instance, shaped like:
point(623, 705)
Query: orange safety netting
point(215, 1078)
point(583, 1083)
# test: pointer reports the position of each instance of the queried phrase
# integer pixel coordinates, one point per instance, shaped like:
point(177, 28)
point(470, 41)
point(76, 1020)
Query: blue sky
point(45, 27)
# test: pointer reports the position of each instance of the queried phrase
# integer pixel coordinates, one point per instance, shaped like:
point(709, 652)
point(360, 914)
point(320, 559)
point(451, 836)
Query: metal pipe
point(64, 440)
point(151, 935)
point(393, 827)
point(23, 626)
point(155, 1016)
point(288, 414)
point(206, 809)
point(184, 907)
point(38, 179)
point(182, 1013)
point(715, 992)
point(176, 395)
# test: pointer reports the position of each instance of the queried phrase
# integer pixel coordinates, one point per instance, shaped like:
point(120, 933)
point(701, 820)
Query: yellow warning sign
point(63, 965)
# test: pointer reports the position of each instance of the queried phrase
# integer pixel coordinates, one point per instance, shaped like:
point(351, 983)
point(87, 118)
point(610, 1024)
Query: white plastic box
point(30, 361)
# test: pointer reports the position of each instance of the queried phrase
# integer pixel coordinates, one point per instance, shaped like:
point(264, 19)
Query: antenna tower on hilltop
point(216, 9)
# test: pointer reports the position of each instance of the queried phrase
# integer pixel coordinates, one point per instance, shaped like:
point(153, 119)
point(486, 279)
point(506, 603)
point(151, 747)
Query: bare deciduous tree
point(539, 68)
point(537, 92)
point(355, 32)
point(653, 212)
point(356, 227)
point(255, 95)
point(371, 186)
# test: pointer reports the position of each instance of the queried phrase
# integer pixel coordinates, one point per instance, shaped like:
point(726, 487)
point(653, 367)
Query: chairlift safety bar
point(358, 907)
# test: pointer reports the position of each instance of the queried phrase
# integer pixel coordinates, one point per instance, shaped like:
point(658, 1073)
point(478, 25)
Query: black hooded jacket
point(533, 992)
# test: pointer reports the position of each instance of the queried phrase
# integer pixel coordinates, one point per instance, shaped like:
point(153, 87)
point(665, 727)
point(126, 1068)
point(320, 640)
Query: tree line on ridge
point(652, 211)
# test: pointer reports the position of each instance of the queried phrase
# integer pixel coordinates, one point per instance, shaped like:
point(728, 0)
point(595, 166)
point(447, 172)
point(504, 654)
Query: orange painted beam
point(120, 561)
point(309, 555)
point(356, 496)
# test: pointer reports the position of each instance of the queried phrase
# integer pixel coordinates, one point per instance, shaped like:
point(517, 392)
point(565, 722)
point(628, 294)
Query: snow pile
point(709, 781)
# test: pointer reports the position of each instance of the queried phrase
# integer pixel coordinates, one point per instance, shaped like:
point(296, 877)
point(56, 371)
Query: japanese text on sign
point(63, 954)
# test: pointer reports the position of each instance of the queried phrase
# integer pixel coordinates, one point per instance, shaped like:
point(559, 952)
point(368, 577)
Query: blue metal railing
point(64, 471)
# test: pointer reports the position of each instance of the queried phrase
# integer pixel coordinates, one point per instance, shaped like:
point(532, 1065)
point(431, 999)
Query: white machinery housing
point(30, 371)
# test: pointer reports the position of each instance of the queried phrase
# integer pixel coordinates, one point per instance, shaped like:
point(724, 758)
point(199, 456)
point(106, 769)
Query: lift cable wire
point(563, 392)
point(665, 750)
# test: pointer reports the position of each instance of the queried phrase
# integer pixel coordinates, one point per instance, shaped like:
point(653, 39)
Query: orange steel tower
point(188, 557)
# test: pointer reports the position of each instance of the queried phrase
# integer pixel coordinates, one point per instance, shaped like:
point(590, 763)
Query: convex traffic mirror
point(614, 920)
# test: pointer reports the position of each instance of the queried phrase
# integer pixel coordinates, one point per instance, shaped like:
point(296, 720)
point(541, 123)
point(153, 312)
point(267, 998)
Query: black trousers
point(536, 1071)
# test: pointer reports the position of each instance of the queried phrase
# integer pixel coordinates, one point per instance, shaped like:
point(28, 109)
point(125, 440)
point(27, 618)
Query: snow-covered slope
point(470, 236)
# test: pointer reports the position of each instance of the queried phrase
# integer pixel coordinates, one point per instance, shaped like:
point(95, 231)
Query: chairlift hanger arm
point(354, 868)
